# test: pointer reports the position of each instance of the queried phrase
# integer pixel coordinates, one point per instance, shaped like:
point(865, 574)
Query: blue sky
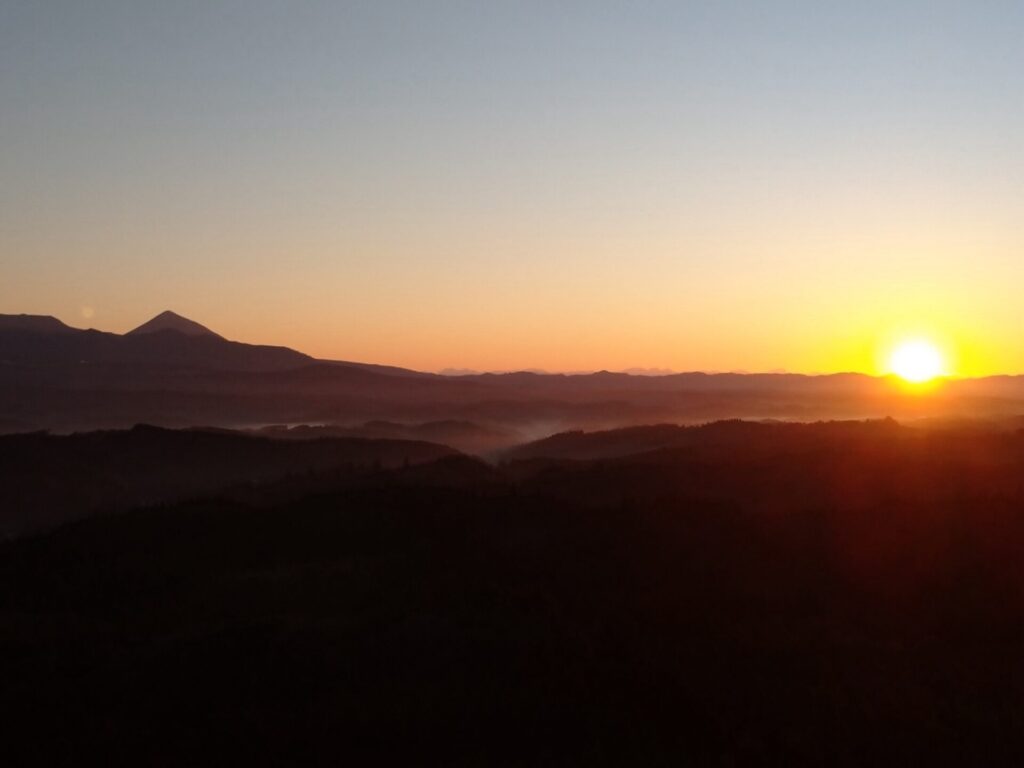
point(564, 185)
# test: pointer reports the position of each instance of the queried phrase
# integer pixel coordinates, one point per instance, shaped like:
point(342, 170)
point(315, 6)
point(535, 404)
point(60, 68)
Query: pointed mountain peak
point(171, 321)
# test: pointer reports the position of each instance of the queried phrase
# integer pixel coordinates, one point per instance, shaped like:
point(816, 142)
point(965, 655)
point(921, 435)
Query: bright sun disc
point(916, 361)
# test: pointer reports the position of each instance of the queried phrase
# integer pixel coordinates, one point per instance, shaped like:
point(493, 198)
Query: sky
point(498, 185)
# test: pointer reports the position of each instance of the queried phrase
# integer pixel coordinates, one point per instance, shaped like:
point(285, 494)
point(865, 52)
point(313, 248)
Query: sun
point(917, 361)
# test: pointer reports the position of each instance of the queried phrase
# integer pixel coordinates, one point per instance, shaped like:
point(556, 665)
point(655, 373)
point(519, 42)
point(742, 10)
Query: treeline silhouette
point(47, 479)
point(819, 594)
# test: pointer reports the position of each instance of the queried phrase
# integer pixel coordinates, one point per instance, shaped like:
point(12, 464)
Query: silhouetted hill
point(46, 479)
point(387, 370)
point(170, 321)
point(601, 445)
point(729, 435)
point(463, 435)
point(35, 323)
point(63, 354)
point(758, 594)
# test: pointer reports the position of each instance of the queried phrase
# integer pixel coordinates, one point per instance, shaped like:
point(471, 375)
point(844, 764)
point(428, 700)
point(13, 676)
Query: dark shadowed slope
point(580, 445)
point(733, 435)
point(463, 435)
point(46, 479)
point(793, 595)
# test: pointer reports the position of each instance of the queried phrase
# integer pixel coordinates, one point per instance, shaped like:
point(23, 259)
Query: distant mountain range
point(172, 371)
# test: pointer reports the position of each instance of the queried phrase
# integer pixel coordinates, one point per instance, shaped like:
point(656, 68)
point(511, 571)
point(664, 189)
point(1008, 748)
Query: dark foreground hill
point(46, 479)
point(833, 594)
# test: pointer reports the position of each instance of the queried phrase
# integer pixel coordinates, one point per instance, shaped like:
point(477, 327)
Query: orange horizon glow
point(481, 190)
point(418, 348)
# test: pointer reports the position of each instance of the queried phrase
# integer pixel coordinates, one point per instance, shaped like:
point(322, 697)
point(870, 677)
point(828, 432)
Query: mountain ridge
point(34, 323)
point(60, 378)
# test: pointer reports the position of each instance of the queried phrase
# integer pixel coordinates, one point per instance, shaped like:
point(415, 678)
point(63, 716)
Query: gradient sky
point(495, 185)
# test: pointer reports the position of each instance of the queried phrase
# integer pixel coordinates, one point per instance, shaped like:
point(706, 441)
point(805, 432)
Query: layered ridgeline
point(175, 372)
